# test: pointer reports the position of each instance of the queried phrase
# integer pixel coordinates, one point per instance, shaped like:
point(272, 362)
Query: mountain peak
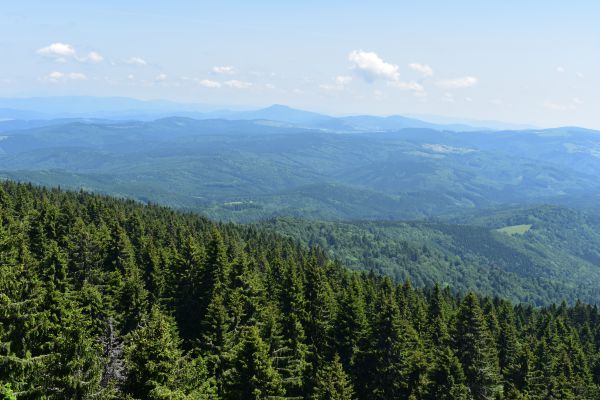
point(279, 107)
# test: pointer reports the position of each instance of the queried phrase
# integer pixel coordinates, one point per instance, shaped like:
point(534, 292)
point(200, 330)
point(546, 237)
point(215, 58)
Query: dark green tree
point(251, 374)
point(333, 383)
point(476, 350)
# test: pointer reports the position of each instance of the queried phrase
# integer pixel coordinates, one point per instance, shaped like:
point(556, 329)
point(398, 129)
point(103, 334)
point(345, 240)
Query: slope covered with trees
point(250, 170)
point(536, 255)
point(105, 298)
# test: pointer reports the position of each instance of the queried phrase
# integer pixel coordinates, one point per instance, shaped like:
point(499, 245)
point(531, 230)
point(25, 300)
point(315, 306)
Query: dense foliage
point(555, 259)
point(104, 298)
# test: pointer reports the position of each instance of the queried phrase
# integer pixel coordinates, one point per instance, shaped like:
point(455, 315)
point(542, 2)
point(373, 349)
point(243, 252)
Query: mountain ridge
point(127, 108)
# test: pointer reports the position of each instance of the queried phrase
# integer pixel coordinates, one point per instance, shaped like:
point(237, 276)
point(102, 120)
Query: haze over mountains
point(121, 108)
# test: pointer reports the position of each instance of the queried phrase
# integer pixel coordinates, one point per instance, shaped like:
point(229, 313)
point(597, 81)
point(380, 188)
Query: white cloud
point(423, 69)
point(224, 69)
point(94, 57)
point(161, 77)
point(371, 67)
point(57, 76)
point(136, 61)
point(57, 50)
point(207, 83)
point(270, 86)
point(577, 100)
point(458, 83)
point(235, 84)
point(560, 69)
point(61, 52)
point(580, 75)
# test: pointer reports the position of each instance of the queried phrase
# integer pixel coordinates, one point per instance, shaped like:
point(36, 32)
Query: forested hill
point(104, 298)
point(537, 255)
point(243, 171)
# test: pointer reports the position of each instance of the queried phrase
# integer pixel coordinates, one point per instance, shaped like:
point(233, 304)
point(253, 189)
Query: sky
point(528, 61)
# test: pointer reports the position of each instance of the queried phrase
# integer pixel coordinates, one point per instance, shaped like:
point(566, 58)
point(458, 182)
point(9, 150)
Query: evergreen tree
point(157, 367)
point(333, 383)
point(446, 378)
point(216, 338)
point(319, 315)
point(191, 289)
point(291, 356)
point(251, 375)
point(477, 351)
point(398, 365)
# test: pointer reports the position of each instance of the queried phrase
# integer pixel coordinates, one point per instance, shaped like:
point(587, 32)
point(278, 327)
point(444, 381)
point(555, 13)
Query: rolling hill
point(535, 255)
point(246, 170)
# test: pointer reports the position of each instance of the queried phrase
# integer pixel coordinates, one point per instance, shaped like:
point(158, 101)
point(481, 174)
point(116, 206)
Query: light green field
point(515, 229)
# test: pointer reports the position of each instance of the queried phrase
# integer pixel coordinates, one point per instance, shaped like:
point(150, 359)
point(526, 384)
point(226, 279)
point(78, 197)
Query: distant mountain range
point(120, 108)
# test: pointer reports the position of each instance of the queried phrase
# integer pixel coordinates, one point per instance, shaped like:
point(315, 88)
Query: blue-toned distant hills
point(46, 108)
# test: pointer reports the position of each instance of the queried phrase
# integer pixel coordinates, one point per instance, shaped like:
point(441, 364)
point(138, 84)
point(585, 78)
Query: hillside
point(247, 170)
point(105, 298)
point(536, 255)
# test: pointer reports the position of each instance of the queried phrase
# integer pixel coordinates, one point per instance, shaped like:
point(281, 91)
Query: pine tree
point(291, 356)
point(216, 338)
point(75, 367)
point(333, 383)
point(508, 346)
point(191, 289)
point(397, 362)
point(133, 299)
point(251, 375)
point(351, 325)
point(446, 378)
point(476, 351)
point(156, 366)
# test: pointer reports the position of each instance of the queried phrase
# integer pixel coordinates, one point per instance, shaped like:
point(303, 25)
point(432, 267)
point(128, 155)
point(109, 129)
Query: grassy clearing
point(515, 229)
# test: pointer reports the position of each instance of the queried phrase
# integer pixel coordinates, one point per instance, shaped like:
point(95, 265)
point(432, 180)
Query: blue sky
point(534, 62)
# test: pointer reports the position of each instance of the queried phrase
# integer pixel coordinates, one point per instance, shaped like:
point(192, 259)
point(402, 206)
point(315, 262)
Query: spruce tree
point(446, 380)
point(333, 382)
point(477, 351)
point(156, 366)
point(251, 374)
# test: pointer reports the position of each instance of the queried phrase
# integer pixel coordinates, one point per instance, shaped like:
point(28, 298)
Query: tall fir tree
point(333, 383)
point(251, 374)
point(476, 350)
